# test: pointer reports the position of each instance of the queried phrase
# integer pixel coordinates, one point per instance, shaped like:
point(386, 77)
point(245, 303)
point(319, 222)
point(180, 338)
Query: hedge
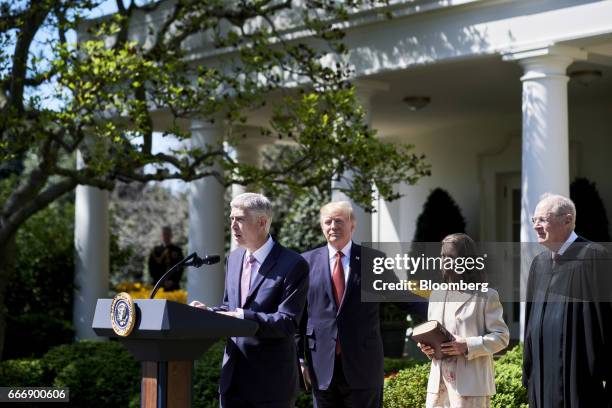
point(21, 373)
point(98, 374)
point(103, 374)
point(408, 388)
point(206, 377)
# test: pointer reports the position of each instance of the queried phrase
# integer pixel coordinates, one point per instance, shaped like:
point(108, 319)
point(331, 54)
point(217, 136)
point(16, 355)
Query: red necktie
point(555, 258)
point(338, 279)
point(338, 284)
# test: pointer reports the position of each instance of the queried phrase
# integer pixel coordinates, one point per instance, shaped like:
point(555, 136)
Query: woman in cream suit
point(466, 377)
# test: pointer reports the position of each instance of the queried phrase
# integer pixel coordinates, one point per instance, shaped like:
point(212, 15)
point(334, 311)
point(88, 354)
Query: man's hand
point(198, 304)
point(232, 314)
point(457, 347)
point(306, 376)
point(428, 351)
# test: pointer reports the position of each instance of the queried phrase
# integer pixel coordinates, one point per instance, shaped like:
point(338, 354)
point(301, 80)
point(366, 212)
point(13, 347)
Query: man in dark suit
point(266, 283)
point(568, 329)
point(162, 258)
point(340, 345)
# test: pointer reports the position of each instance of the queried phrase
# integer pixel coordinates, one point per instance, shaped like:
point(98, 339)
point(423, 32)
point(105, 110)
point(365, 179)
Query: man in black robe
point(162, 258)
point(567, 361)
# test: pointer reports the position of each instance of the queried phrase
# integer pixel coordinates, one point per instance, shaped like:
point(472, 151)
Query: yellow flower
point(139, 290)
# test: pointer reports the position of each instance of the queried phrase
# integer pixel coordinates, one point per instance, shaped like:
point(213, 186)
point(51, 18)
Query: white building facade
point(520, 103)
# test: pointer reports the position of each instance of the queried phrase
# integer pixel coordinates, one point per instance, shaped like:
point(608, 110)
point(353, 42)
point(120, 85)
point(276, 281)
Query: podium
point(166, 339)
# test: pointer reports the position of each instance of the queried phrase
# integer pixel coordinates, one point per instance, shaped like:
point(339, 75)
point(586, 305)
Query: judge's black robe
point(568, 332)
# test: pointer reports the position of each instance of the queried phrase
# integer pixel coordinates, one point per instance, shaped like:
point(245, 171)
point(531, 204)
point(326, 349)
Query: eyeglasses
point(543, 220)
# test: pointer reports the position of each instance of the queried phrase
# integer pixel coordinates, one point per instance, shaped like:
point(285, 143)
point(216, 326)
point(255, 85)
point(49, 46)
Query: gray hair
point(559, 205)
point(256, 204)
point(337, 205)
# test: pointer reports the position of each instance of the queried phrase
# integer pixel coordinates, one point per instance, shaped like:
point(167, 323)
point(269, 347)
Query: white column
point(248, 152)
point(365, 89)
point(545, 143)
point(206, 218)
point(91, 236)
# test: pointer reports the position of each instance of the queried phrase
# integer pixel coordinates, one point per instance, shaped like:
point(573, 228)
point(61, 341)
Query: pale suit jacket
point(479, 320)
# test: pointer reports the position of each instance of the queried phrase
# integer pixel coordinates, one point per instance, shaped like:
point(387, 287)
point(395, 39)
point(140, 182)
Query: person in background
point(162, 258)
point(465, 378)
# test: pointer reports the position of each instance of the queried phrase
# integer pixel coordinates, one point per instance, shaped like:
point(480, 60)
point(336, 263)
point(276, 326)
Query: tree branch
point(30, 207)
point(33, 19)
point(33, 184)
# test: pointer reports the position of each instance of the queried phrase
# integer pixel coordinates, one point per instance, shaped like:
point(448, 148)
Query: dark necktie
point(555, 258)
point(339, 284)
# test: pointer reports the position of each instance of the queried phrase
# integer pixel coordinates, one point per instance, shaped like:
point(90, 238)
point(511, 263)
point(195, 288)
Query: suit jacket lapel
point(443, 300)
point(436, 306)
point(263, 271)
point(235, 272)
point(325, 272)
point(461, 298)
point(353, 284)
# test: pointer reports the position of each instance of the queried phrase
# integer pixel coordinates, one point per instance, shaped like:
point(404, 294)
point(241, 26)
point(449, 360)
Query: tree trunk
point(7, 270)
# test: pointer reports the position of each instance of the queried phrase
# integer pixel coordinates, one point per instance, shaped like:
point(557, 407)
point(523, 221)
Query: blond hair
point(337, 205)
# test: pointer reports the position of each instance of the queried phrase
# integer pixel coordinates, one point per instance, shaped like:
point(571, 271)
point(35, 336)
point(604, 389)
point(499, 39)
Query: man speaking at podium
point(266, 283)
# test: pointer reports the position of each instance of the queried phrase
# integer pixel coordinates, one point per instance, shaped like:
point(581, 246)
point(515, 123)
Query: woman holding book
point(464, 377)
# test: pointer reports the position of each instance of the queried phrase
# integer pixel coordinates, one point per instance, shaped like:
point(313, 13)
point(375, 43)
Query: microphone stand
point(191, 260)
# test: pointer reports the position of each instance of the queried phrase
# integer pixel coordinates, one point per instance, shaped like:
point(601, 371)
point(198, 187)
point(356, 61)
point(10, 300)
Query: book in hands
point(433, 334)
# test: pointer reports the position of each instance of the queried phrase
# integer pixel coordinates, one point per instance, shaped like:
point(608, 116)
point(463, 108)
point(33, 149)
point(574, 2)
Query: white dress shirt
point(260, 256)
point(346, 259)
point(570, 241)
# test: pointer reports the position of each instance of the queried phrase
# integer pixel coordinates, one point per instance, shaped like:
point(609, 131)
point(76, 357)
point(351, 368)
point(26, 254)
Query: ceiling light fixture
point(416, 102)
point(586, 76)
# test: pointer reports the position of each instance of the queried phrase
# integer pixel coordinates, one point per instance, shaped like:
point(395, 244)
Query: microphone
point(207, 260)
point(192, 260)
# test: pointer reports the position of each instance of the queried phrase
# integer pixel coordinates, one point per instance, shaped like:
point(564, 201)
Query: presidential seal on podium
point(123, 314)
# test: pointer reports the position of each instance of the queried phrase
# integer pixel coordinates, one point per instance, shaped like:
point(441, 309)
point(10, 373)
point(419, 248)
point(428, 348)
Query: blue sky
point(160, 144)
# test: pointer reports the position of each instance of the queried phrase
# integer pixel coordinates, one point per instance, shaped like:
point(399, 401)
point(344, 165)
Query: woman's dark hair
point(461, 246)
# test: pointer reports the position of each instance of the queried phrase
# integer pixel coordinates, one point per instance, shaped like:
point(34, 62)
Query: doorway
point(508, 204)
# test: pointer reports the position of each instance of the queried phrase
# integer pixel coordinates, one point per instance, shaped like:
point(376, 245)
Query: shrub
point(299, 228)
point(21, 373)
point(39, 298)
point(407, 389)
point(39, 295)
point(512, 356)
point(508, 380)
point(510, 390)
point(206, 377)
point(304, 400)
point(393, 365)
point(26, 331)
point(441, 216)
point(98, 374)
point(591, 220)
